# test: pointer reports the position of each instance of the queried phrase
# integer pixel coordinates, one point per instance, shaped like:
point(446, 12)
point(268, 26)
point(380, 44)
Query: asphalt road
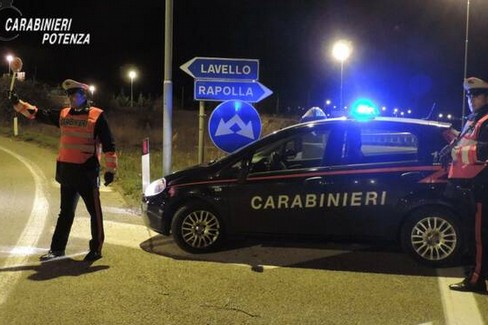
point(144, 278)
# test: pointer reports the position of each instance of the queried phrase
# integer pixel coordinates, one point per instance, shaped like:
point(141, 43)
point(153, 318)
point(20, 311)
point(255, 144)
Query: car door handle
point(317, 180)
point(412, 176)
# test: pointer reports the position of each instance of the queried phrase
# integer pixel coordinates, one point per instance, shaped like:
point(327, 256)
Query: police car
point(335, 178)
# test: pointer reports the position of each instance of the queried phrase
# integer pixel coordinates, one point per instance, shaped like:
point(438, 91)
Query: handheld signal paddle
point(16, 66)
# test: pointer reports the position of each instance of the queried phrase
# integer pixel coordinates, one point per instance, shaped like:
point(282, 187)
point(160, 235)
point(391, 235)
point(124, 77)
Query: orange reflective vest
point(78, 142)
point(465, 163)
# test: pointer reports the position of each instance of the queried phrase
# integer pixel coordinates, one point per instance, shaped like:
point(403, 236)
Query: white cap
point(314, 113)
point(475, 83)
point(73, 84)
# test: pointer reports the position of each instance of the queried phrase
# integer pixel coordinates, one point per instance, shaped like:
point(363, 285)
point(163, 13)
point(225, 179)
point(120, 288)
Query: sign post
point(201, 122)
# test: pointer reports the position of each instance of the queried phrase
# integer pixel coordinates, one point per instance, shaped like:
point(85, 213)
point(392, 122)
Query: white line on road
point(33, 229)
point(116, 233)
point(460, 308)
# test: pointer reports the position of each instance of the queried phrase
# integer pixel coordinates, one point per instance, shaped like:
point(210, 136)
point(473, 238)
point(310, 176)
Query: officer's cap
point(70, 85)
point(314, 113)
point(475, 86)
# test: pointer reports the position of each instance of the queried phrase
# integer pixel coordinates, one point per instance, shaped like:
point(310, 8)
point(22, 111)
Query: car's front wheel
point(433, 236)
point(197, 228)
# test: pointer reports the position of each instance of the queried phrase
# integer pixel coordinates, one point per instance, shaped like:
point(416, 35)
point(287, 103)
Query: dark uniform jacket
point(482, 145)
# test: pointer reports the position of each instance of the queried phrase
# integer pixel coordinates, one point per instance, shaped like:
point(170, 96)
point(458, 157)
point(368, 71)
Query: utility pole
point(168, 88)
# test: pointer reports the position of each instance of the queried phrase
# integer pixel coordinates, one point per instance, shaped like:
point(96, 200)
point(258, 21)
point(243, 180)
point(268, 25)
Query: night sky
point(407, 53)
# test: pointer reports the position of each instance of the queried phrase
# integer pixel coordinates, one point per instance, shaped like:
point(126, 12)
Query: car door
point(273, 196)
point(361, 193)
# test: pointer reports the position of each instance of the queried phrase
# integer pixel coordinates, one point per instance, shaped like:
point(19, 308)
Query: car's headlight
point(155, 187)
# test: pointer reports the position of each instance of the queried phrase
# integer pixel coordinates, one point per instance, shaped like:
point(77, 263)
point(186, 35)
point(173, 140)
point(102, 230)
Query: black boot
point(50, 255)
point(93, 256)
point(467, 286)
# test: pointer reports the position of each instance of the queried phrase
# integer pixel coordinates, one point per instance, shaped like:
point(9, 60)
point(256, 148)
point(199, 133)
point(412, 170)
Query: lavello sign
point(54, 31)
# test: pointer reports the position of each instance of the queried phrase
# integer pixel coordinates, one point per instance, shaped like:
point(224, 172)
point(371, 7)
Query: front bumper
point(152, 215)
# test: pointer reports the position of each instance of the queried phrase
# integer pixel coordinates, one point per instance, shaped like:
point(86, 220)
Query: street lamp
point(9, 58)
point(92, 89)
point(132, 76)
point(341, 51)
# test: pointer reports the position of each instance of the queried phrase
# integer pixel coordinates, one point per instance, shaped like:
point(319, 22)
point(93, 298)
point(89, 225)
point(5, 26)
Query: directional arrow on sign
point(222, 68)
point(234, 124)
point(223, 90)
point(225, 127)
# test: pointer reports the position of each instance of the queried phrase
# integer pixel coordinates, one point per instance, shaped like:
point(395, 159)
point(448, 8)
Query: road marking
point(116, 233)
point(459, 307)
point(32, 232)
point(133, 212)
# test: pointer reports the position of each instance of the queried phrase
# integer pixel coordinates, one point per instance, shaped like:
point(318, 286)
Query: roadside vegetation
point(130, 125)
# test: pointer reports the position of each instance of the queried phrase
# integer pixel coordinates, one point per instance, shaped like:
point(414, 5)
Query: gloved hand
point(444, 156)
point(13, 97)
point(108, 177)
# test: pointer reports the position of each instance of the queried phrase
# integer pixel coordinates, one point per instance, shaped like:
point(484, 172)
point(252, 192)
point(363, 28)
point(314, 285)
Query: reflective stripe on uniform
point(76, 134)
point(80, 147)
point(111, 162)
point(479, 245)
point(465, 163)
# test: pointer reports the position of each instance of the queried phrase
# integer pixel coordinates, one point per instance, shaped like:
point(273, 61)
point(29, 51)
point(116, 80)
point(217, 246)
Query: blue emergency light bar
point(364, 109)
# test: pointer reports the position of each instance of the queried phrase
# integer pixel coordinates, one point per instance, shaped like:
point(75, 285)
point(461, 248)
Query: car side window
point(371, 145)
point(304, 150)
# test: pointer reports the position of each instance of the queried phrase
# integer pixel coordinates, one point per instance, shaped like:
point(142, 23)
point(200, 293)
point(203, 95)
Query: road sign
point(222, 68)
point(234, 124)
point(222, 90)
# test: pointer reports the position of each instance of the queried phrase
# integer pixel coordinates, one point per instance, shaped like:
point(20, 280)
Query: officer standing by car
point(469, 160)
point(85, 133)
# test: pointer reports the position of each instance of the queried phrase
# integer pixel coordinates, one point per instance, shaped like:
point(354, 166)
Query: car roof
point(402, 120)
point(290, 129)
point(385, 119)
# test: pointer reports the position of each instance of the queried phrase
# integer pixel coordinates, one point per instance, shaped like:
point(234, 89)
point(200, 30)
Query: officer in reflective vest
point(85, 134)
point(469, 160)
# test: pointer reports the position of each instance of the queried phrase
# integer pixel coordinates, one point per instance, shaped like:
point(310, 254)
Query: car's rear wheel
point(197, 228)
point(432, 236)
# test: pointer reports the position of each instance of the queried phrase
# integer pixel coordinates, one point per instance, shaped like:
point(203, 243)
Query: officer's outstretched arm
point(22, 107)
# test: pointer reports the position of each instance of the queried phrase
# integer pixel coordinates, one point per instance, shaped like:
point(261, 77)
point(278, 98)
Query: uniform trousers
point(70, 195)
point(480, 268)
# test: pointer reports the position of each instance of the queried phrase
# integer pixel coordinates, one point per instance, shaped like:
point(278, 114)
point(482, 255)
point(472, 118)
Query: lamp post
point(132, 76)
point(9, 59)
point(341, 51)
point(92, 89)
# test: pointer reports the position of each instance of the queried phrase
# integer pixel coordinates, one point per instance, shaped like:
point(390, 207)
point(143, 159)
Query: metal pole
point(465, 63)
point(168, 88)
point(342, 70)
point(131, 93)
point(201, 123)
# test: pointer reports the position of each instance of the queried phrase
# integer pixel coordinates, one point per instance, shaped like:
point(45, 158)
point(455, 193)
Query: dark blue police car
point(334, 178)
